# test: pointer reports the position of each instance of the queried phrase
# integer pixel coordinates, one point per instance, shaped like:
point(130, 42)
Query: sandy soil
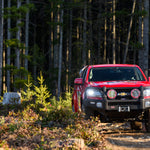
point(119, 136)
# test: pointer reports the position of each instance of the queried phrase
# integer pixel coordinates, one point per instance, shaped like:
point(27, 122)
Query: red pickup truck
point(115, 92)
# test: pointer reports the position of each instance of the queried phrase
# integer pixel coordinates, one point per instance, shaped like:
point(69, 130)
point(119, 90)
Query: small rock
point(77, 142)
point(11, 98)
point(70, 143)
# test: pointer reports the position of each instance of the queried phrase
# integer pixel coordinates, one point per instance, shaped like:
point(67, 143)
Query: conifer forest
point(58, 37)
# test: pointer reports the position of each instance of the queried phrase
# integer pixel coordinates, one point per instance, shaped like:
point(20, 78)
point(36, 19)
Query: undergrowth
point(42, 122)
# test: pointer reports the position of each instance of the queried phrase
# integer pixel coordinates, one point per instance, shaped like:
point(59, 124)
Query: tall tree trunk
point(109, 33)
point(60, 53)
point(114, 32)
point(99, 34)
point(70, 49)
point(27, 37)
point(146, 37)
point(18, 37)
point(55, 41)
point(56, 49)
point(140, 36)
point(8, 48)
point(80, 39)
point(105, 35)
point(118, 50)
point(34, 51)
point(50, 45)
point(90, 55)
point(129, 33)
point(1, 41)
point(84, 33)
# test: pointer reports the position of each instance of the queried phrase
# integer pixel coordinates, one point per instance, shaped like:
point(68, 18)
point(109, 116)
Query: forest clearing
point(43, 45)
point(41, 122)
point(23, 130)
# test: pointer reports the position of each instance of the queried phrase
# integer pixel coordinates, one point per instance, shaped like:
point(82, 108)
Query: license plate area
point(124, 109)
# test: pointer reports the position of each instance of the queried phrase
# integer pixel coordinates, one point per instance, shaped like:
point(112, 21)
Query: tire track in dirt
point(119, 136)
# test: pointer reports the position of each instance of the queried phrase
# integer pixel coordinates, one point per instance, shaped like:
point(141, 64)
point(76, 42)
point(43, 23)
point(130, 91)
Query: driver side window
point(84, 74)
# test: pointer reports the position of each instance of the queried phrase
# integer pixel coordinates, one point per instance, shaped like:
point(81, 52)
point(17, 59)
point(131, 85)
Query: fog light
point(99, 105)
point(147, 104)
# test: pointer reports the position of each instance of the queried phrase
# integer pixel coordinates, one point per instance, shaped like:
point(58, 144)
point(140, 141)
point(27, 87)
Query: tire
point(102, 118)
point(147, 120)
point(88, 112)
point(136, 125)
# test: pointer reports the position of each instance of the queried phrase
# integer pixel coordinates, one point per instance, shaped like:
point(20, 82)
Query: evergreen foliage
point(28, 94)
point(44, 34)
point(41, 91)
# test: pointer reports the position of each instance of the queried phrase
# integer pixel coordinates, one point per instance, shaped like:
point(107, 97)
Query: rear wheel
point(136, 125)
point(73, 110)
point(147, 120)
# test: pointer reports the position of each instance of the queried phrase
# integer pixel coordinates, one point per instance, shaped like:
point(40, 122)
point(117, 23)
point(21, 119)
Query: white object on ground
point(12, 98)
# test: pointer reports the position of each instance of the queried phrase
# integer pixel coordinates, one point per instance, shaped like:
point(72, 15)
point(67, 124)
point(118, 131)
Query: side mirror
point(78, 81)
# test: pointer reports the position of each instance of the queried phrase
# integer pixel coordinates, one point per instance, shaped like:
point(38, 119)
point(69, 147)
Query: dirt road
point(121, 137)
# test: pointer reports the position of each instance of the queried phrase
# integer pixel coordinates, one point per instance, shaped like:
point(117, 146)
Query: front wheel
point(147, 120)
point(136, 125)
point(88, 112)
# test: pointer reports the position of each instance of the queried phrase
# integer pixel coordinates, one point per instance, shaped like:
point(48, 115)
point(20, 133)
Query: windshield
point(115, 74)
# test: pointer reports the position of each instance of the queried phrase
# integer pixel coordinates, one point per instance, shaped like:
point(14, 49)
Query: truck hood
point(114, 84)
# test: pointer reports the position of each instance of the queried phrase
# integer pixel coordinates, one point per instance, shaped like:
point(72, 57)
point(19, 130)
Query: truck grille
point(123, 94)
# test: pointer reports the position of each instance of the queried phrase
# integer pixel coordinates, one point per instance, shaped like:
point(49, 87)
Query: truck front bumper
point(118, 109)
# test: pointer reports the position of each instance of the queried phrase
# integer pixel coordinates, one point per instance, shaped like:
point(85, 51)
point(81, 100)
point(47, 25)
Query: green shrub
point(36, 96)
point(59, 112)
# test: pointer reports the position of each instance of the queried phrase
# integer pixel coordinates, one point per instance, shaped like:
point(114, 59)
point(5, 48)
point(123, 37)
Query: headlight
point(147, 104)
point(146, 93)
point(92, 93)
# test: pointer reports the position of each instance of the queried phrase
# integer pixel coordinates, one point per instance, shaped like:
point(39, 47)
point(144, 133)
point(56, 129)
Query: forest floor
point(23, 131)
point(119, 136)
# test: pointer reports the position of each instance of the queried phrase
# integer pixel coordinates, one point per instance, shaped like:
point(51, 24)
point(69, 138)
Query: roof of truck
point(114, 65)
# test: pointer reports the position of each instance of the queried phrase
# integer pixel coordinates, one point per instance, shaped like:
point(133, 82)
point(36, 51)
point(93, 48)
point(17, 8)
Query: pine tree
point(1, 41)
